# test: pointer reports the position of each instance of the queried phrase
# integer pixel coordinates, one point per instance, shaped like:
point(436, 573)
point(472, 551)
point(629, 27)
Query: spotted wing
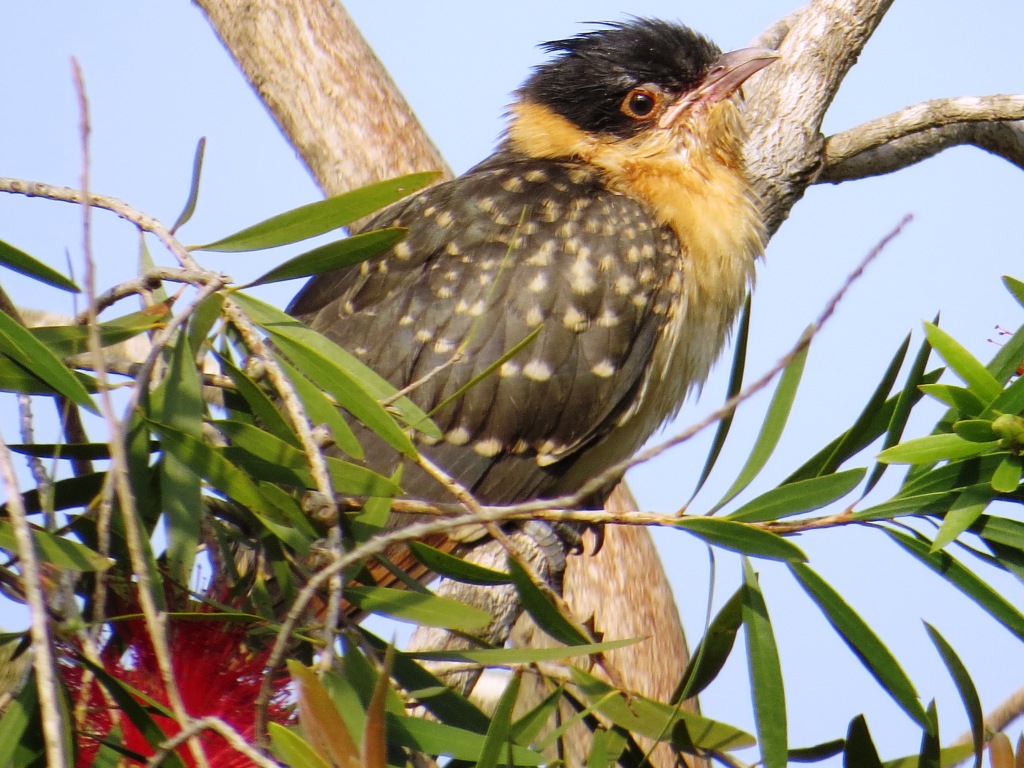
point(506, 251)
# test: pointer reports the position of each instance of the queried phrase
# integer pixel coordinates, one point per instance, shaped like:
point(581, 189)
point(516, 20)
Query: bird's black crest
point(593, 71)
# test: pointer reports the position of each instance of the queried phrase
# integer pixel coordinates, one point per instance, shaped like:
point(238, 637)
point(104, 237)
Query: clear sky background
point(158, 79)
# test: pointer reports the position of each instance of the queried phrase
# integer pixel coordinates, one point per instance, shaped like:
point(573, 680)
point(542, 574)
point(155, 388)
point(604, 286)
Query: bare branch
point(889, 143)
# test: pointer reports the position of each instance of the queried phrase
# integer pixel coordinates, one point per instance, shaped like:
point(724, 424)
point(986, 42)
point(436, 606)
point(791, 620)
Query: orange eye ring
point(642, 104)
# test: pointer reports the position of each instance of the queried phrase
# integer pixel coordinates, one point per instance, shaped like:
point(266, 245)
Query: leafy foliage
point(222, 468)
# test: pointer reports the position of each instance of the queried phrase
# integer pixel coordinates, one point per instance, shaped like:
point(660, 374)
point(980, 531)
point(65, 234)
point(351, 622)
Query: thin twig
point(218, 726)
point(118, 458)
point(39, 628)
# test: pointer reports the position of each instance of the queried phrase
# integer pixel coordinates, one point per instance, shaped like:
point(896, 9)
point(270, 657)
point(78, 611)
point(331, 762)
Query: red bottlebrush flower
point(216, 674)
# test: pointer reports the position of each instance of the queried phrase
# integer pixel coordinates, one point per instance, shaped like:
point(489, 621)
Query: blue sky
point(157, 80)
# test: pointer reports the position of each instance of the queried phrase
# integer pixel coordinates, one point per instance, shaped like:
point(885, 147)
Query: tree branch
point(913, 134)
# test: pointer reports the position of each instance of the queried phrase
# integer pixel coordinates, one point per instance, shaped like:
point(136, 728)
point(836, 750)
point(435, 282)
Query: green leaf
point(85, 451)
point(975, 430)
point(739, 361)
point(967, 508)
point(860, 750)
point(67, 340)
point(417, 607)
point(739, 537)
point(509, 656)
point(544, 612)
point(424, 735)
point(854, 437)
point(15, 378)
point(798, 497)
point(765, 673)
point(713, 651)
point(497, 739)
point(965, 687)
point(262, 406)
point(917, 504)
point(771, 430)
point(21, 732)
point(375, 745)
point(23, 264)
point(128, 701)
point(931, 748)
point(456, 568)
point(292, 750)
point(818, 752)
point(932, 448)
point(963, 579)
point(178, 402)
point(948, 758)
point(193, 189)
point(320, 217)
point(342, 253)
point(905, 401)
point(346, 477)
point(326, 733)
point(1015, 287)
point(211, 464)
point(654, 719)
point(24, 349)
point(961, 399)
point(964, 364)
point(61, 552)
point(529, 726)
point(320, 410)
point(1010, 400)
point(864, 643)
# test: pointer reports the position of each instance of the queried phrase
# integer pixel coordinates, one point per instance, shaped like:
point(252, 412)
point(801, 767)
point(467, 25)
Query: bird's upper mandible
point(585, 276)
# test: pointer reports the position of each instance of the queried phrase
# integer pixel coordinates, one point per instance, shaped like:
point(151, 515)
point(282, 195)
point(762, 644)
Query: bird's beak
point(729, 73)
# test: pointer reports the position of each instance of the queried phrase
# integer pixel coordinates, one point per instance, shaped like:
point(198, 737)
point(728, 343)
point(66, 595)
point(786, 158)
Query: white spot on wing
point(489, 447)
point(538, 370)
point(604, 369)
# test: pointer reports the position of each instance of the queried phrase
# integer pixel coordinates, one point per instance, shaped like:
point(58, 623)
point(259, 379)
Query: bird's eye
point(641, 103)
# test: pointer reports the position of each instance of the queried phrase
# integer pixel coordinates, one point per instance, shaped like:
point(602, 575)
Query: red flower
point(216, 675)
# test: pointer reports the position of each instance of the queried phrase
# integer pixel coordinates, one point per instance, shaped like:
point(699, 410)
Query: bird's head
point(638, 89)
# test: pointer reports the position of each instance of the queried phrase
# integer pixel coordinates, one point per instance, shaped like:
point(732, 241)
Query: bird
point(582, 279)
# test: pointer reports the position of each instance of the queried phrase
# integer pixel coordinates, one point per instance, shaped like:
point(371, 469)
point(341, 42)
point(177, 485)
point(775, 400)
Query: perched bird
point(614, 221)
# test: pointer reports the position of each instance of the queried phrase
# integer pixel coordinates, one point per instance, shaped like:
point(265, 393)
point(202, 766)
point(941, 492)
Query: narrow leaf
point(905, 401)
point(931, 747)
point(963, 363)
point(654, 719)
point(739, 361)
point(739, 537)
point(543, 611)
point(23, 348)
point(765, 673)
point(320, 410)
point(860, 750)
point(713, 651)
point(320, 217)
point(456, 568)
point(295, 752)
point(771, 430)
point(853, 437)
point(417, 607)
point(497, 739)
point(1006, 478)
point(796, 498)
point(965, 687)
point(193, 188)
point(58, 551)
point(963, 579)
point(509, 656)
point(864, 643)
point(179, 404)
point(967, 508)
point(423, 735)
point(322, 726)
point(375, 744)
point(932, 448)
point(975, 430)
point(818, 752)
point(67, 340)
point(20, 262)
point(336, 255)
point(961, 399)
point(262, 406)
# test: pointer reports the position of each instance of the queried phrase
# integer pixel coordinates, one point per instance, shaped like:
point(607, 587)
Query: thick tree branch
point(325, 88)
point(786, 103)
point(913, 134)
